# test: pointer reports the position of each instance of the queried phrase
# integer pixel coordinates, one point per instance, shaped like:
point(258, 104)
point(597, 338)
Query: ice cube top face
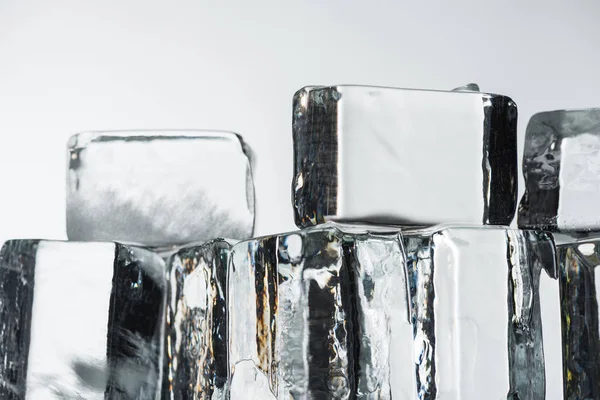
point(561, 165)
point(159, 188)
point(408, 157)
point(80, 320)
point(456, 313)
point(196, 345)
point(580, 294)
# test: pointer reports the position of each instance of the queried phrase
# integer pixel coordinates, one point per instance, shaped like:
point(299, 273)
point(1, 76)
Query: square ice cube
point(404, 157)
point(561, 166)
point(80, 320)
point(159, 188)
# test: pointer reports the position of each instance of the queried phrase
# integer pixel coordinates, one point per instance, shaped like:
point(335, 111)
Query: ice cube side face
point(579, 282)
point(560, 165)
point(196, 329)
point(80, 320)
point(298, 312)
point(452, 314)
point(159, 188)
point(490, 325)
point(359, 150)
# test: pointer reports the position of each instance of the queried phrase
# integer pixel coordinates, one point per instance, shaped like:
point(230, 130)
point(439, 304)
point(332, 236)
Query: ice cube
point(159, 188)
point(360, 312)
point(407, 157)
point(470, 343)
point(579, 282)
point(561, 166)
point(196, 322)
point(80, 321)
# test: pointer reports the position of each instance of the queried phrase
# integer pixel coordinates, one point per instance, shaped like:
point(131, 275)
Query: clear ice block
point(358, 150)
point(196, 362)
point(159, 188)
point(448, 313)
point(579, 283)
point(80, 321)
point(561, 166)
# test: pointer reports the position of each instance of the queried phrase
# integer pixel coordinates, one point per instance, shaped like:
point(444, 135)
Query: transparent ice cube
point(359, 149)
point(159, 188)
point(448, 313)
point(561, 166)
point(579, 283)
point(80, 321)
point(196, 362)
point(470, 342)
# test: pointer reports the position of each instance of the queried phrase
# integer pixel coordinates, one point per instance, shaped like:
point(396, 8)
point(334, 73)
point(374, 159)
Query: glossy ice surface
point(196, 362)
point(80, 321)
point(579, 283)
point(387, 155)
point(159, 188)
point(448, 313)
point(561, 165)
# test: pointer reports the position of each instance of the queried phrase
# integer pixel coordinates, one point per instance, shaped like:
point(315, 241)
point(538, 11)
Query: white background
point(71, 66)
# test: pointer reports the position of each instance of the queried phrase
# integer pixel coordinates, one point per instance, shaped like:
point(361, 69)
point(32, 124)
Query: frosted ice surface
point(249, 383)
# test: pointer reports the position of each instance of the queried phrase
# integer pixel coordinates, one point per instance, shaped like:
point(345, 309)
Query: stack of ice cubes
point(129, 307)
point(404, 280)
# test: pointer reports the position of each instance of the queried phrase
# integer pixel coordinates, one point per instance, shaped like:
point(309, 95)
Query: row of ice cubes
point(326, 312)
point(448, 303)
